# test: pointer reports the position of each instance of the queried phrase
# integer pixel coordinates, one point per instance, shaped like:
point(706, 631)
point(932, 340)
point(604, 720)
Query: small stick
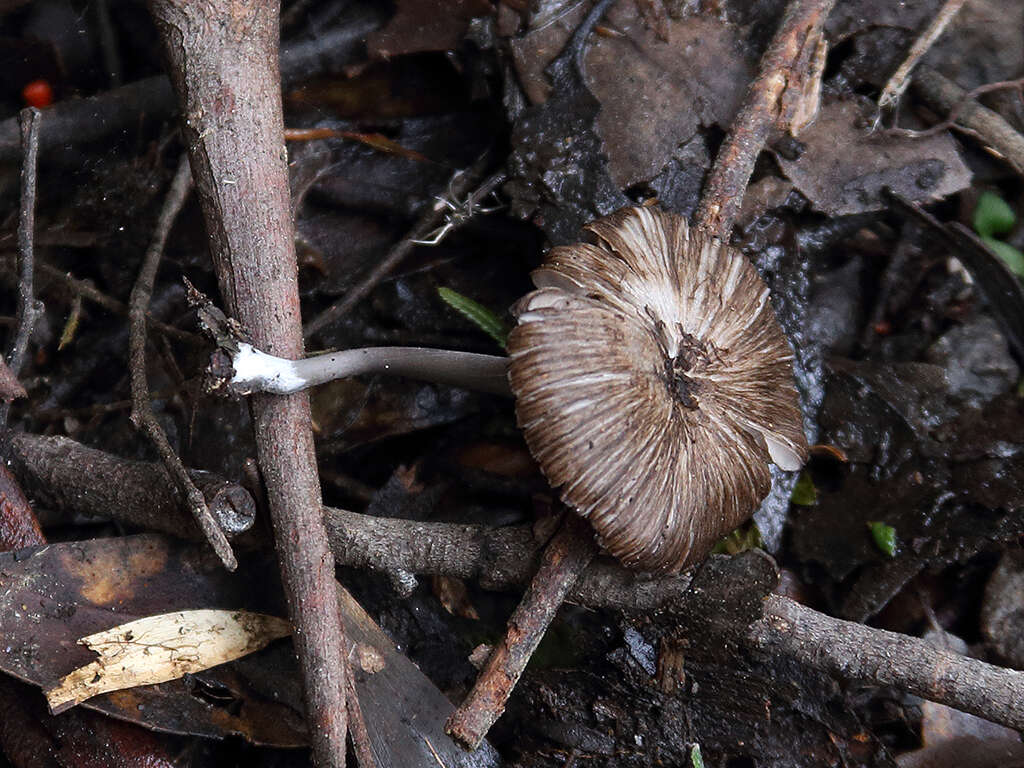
point(951, 118)
point(29, 308)
point(898, 82)
point(357, 731)
point(564, 559)
point(945, 96)
point(853, 651)
point(429, 221)
point(793, 46)
point(142, 412)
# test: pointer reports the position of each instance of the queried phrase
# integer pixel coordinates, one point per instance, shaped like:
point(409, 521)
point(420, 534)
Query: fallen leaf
point(845, 166)
point(165, 647)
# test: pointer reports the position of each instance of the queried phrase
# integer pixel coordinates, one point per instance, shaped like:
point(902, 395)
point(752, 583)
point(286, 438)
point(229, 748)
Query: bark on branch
point(223, 64)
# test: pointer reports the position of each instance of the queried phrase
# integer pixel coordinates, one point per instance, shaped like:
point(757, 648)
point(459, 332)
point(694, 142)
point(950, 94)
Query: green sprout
point(487, 321)
point(696, 761)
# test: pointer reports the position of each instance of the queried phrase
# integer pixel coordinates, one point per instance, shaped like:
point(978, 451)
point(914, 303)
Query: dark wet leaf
point(51, 596)
point(425, 25)
point(652, 99)
point(845, 166)
point(54, 595)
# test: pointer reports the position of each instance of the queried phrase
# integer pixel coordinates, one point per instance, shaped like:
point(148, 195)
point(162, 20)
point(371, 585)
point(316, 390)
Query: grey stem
point(256, 371)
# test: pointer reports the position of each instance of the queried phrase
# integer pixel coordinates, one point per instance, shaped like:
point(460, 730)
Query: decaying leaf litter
point(906, 340)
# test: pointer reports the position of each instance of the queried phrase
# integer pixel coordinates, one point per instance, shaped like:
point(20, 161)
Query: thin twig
point(951, 119)
point(29, 308)
point(944, 97)
point(794, 46)
point(142, 412)
point(898, 82)
point(460, 185)
point(565, 558)
point(87, 290)
point(854, 651)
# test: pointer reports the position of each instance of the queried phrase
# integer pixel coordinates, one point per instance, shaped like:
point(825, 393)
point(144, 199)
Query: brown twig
point(67, 476)
point(793, 47)
point(70, 476)
point(954, 113)
point(357, 732)
point(564, 559)
point(946, 97)
point(460, 185)
point(223, 62)
point(29, 308)
point(856, 652)
point(142, 411)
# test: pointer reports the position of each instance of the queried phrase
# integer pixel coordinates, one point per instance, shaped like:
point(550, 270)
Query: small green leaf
point(696, 761)
point(71, 326)
point(1013, 258)
point(486, 320)
point(993, 215)
point(884, 536)
point(804, 492)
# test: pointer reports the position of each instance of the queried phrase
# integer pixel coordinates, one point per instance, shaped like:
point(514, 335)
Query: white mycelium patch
point(654, 386)
point(256, 371)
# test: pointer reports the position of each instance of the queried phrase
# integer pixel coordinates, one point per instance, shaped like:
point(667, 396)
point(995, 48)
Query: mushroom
point(654, 386)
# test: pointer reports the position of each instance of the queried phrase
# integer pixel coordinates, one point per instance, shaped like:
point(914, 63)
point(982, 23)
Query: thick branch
point(64, 475)
point(791, 49)
point(223, 62)
point(853, 651)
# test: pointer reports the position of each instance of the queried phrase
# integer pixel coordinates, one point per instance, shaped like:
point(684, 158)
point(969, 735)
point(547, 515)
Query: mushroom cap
point(654, 386)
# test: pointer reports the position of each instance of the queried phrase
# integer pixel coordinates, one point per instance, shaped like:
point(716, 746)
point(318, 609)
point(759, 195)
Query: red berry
point(38, 93)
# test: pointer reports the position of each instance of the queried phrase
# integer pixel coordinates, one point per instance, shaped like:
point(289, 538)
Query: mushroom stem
point(564, 559)
point(256, 371)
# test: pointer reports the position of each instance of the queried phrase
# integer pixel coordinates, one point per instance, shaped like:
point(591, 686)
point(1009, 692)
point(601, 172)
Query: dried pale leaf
point(165, 647)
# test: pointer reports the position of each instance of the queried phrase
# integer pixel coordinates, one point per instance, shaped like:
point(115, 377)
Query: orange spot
point(38, 94)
